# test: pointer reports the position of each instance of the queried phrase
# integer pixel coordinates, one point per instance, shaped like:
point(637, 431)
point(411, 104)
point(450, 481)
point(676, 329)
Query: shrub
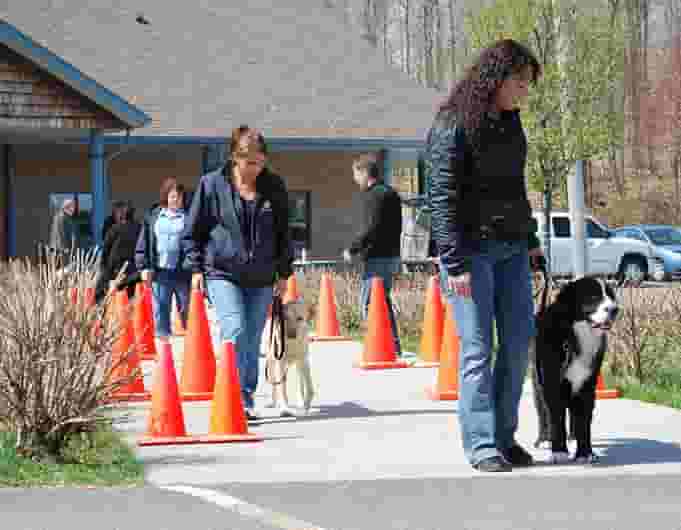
point(55, 355)
point(646, 338)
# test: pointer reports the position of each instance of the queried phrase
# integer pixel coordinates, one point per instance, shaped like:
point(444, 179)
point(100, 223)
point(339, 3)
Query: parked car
point(665, 241)
point(607, 254)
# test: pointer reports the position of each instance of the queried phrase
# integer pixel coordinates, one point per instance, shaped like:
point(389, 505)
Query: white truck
point(606, 254)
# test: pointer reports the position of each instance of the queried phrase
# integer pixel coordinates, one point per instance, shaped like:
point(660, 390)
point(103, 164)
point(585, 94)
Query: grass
point(663, 389)
point(107, 461)
point(651, 393)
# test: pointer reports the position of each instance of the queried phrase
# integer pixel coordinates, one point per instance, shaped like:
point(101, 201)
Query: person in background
point(118, 249)
point(237, 243)
point(485, 235)
point(64, 233)
point(115, 216)
point(378, 244)
point(159, 258)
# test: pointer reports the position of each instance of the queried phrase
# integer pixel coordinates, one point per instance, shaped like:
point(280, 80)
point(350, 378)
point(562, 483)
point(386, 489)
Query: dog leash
point(540, 267)
point(277, 338)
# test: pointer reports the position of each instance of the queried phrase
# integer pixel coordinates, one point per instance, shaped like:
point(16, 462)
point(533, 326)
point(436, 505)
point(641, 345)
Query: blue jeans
point(241, 312)
point(164, 284)
point(384, 268)
point(489, 396)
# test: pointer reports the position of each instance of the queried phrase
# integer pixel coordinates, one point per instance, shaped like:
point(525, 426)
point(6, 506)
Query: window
point(594, 230)
point(561, 226)
point(82, 215)
point(630, 234)
point(299, 220)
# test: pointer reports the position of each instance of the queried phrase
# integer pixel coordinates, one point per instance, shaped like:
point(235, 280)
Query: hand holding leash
point(198, 282)
point(460, 285)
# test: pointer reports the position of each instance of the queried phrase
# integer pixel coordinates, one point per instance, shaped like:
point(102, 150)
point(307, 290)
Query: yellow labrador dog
point(298, 318)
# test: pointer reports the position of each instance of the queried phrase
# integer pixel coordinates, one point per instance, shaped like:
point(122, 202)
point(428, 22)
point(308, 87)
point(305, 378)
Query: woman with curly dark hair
point(485, 235)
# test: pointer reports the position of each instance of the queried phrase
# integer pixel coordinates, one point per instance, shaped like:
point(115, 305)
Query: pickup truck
point(606, 254)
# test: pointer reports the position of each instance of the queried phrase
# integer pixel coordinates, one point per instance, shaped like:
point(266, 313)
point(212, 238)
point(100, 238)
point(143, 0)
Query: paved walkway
point(376, 454)
point(379, 425)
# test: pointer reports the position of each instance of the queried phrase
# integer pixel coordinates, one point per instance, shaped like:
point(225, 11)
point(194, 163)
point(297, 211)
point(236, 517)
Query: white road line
point(252, 511)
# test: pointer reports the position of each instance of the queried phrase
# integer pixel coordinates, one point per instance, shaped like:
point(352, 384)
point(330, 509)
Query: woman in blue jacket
point(236, 242)
point(158, 256)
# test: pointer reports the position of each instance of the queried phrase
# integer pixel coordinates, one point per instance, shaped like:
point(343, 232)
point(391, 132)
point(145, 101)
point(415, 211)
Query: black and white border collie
point(569, 349)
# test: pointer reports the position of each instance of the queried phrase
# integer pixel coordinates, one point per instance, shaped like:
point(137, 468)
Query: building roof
point(201, 68)
point(128, 115)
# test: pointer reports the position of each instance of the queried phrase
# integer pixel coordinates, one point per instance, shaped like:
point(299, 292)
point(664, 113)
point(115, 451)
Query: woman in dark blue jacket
point(236, 241)
point(484, 233)
point(159, 257)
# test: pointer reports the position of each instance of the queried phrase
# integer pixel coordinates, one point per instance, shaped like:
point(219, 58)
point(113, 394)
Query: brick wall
point(136, 175)
point(335, 212)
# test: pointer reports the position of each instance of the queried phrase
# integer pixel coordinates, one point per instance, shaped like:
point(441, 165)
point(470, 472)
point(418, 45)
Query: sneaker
point(517, 456)
point(493, 464)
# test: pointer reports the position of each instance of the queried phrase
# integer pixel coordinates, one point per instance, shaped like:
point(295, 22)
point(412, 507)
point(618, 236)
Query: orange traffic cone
point(198, 367)
point(379, 346)
point(433, 327)
point(292, 293)
point(166, 421)
point(89, 296)
point(327, 321)
point(227, 418)
point(448, 375)
point(143, 323)
point(123, 348)
point(178, 326)
point(605, 393)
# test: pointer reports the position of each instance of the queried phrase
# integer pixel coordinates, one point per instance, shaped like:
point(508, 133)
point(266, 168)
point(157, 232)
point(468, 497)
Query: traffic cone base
point(201, 439)
point(444, 395)
point(131, 397)
point(196, 396)
point(382, 365)
point(425, 364)
point(340, 338)
point(607, 393)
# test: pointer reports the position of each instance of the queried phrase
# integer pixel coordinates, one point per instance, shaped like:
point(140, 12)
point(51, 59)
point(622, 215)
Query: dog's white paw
point(560, 457)
point(285, 412)
point(587, 460)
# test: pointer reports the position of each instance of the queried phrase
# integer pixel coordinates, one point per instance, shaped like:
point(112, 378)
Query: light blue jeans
point(384, 268)
point(489, 396)
point(166, 283)
point(241, 312)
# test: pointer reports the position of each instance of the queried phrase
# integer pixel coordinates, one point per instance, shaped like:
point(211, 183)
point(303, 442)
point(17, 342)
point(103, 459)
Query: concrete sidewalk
point(369, 425)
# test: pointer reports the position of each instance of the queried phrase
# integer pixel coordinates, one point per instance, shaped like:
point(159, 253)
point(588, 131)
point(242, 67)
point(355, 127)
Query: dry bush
point(55, 356)
point(646, 337)
point(408, 296)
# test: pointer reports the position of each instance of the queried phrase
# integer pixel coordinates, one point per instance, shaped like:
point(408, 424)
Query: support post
point(576, 205)
point(99, 184)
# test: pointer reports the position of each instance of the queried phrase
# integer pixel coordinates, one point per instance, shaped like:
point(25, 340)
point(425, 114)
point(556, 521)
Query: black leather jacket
point(468, 190)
